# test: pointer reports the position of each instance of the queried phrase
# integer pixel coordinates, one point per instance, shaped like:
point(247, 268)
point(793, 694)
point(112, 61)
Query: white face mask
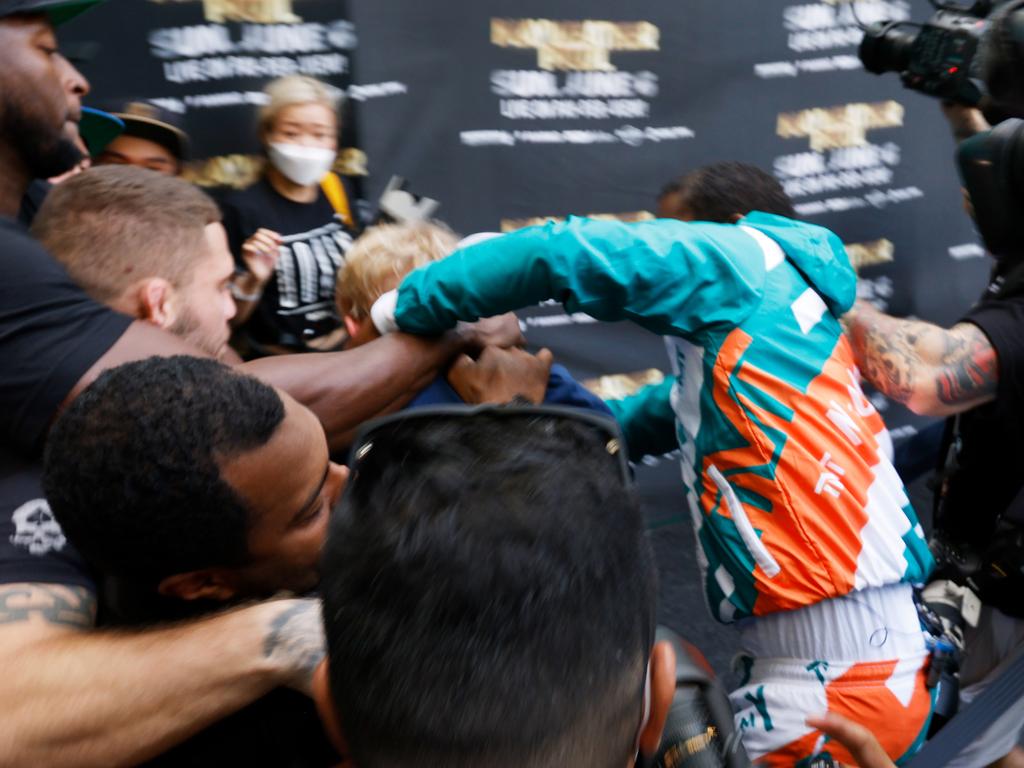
point(302, 165)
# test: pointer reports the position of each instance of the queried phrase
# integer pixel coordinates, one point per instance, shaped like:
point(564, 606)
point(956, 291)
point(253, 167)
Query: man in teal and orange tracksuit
point(806, 536)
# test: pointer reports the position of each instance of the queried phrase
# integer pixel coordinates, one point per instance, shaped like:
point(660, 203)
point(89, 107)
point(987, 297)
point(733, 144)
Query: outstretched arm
point(670, 277)
point(73, 696)
point(343, 389)
point(931, 370)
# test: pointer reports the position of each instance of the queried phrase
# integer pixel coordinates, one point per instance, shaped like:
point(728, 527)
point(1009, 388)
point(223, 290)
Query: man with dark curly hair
point(191, 487)
point(723, 192)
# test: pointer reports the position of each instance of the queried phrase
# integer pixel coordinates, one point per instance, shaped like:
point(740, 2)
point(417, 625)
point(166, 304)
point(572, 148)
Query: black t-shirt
point(298, 302)
point(32, 201)
point(51, 333)
point(33, 548)
point(991, 459)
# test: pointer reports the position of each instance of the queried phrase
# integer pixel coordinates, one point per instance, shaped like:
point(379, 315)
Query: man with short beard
point(164, 256)
point(62, 701)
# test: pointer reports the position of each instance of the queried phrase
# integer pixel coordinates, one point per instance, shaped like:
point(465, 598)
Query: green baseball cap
point(59, 11)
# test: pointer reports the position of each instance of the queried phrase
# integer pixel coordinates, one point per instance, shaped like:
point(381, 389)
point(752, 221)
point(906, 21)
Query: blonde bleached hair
point(290, 90)
point(385, 254)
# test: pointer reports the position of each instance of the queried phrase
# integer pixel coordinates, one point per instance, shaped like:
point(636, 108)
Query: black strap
point(967, 727)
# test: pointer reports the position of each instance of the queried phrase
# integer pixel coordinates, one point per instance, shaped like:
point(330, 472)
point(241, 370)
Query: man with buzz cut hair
point(489, 597)
point(164, 257)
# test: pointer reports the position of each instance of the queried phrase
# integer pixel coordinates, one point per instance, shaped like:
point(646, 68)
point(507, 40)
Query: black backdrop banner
point(513, 112)
point(206, 62)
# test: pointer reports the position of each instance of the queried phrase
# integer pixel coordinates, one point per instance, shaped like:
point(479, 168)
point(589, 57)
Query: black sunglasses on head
point(605, 429)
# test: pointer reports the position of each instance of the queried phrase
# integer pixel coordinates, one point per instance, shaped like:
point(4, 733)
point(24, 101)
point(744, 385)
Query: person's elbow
point(930, 394)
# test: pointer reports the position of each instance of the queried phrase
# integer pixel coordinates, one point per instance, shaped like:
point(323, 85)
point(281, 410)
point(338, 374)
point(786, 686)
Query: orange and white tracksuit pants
point(862, 656)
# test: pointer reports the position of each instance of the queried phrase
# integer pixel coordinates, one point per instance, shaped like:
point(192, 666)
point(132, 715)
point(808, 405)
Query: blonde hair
point(385, 254)
point(290, 90)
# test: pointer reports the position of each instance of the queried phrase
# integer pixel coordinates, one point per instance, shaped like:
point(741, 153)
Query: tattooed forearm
point(48, 603)
point(295, 638)
point(883, 351)
point(969, 370)
point(930, 369)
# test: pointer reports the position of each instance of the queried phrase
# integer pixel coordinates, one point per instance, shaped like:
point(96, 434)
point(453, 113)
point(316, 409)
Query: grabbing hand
point(260, 253)
point(857, 739)
point(501, 375)
point(502, 331)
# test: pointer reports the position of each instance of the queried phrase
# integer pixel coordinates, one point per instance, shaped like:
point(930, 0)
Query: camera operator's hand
point(501, 375)
point(857, 739)
point(964, 121)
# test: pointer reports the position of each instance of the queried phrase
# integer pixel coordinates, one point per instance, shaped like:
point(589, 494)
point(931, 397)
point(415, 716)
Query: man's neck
point(289, 189)
point(13, 181)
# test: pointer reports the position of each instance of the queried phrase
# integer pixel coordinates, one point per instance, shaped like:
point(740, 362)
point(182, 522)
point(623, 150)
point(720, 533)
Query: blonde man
point(377, 263)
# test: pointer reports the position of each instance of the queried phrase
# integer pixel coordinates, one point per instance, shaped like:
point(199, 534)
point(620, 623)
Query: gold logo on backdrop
point(511, 225)
point(870, 253)
point(257, 11)
point(845, 126)
point(575, 45)
point(619, 385)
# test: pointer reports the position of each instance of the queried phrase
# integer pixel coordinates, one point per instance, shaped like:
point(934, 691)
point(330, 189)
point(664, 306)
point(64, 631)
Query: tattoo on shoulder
point(970, 368)
point(47, 603)
point(296, 637)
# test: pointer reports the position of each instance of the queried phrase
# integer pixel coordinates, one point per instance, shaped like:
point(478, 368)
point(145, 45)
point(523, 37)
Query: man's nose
point(75, 84)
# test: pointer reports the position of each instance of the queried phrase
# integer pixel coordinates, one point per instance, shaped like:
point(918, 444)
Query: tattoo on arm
point(970, 369)
point(883, 351)
point(904, 358)
point(48, 603)
point(295, 638)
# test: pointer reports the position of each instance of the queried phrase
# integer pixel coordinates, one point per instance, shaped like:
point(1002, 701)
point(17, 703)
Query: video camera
point(969, 55)
point(699, 731)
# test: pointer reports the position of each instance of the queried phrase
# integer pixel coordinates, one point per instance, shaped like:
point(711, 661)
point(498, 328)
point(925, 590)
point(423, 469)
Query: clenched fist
point(501, 375)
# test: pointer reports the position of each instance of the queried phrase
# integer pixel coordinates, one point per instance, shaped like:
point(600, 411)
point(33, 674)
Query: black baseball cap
point(150, 122)
point(59, 11)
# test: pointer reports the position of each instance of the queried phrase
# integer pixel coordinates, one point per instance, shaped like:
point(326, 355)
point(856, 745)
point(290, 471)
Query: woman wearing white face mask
point(289, 231)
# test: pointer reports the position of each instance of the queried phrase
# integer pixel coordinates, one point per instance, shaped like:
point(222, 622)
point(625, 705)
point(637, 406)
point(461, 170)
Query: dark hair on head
point(718, 191)
point(132, 466)
point(488, 593)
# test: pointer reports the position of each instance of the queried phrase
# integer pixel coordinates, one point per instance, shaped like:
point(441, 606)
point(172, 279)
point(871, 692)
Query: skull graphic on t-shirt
point(36, 529)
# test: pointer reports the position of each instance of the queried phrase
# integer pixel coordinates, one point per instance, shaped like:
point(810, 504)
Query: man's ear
point(208, 584)
point(155, 302)
point(736, 218)
point(325, 707)
point(663, 688)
